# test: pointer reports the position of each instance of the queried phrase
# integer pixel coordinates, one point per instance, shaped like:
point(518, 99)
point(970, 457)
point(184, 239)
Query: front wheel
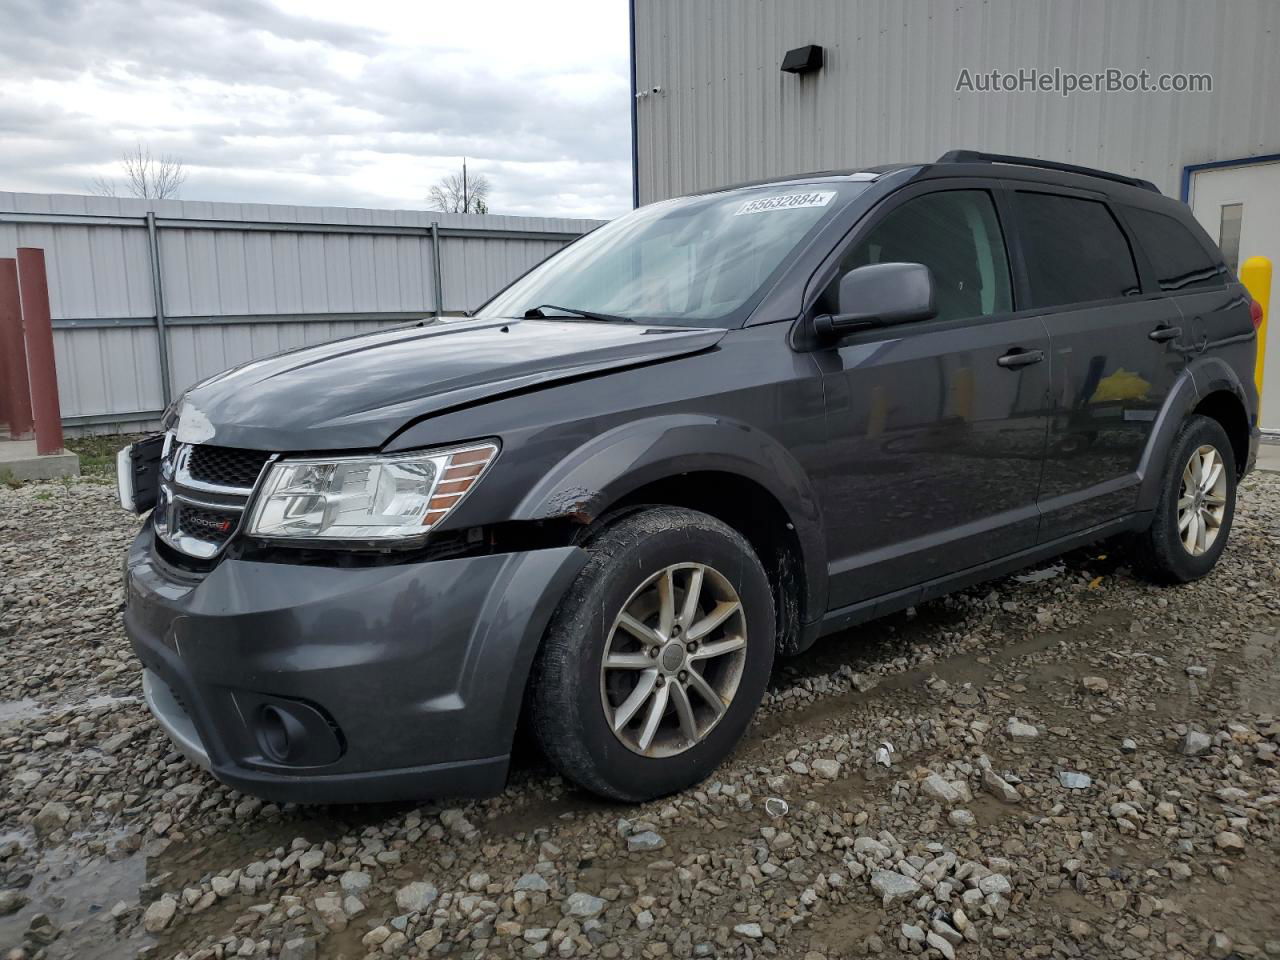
point(1197, 503)
point(657, 658)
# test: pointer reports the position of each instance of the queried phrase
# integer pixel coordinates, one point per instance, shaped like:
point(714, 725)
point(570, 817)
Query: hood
point(355, 393)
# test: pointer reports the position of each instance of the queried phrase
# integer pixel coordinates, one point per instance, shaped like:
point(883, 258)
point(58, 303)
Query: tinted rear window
point(1075, 250)
point(1180, 261)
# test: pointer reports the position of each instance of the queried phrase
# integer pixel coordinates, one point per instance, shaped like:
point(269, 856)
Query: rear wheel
point(658, 656)
point(1197, 503)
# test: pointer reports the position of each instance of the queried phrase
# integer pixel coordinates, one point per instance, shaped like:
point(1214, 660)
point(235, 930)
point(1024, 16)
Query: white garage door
point(1240, 208)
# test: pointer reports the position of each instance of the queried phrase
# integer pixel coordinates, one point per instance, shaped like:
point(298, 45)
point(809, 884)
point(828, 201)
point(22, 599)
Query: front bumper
point(393, 682)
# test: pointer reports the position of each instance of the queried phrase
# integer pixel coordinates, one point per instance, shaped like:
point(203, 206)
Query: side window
point(1181, 262)
point(1075, 250)
point(956, 234)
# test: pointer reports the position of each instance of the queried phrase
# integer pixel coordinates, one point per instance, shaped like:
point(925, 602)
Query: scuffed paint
point(578, 504)
point(193, 425)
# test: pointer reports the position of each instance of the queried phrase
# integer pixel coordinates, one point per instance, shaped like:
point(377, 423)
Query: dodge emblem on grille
point(209, 523)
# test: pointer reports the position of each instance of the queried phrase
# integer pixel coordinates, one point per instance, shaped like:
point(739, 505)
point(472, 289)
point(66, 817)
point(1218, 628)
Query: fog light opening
point(279, 734)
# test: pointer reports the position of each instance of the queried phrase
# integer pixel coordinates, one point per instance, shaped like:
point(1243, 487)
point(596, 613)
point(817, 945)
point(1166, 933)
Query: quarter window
point(1075, 250)
point(956, 234)
point(1180, 261)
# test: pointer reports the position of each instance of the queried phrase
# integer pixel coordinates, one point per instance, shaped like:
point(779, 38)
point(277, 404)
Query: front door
point(936, 428)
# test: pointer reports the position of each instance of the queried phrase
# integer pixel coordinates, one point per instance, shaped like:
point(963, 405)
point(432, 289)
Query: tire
point(575, 702)
point(1161, 552)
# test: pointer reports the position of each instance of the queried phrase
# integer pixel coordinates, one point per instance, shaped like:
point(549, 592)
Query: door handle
point(1161, 334)
point(1020, 358)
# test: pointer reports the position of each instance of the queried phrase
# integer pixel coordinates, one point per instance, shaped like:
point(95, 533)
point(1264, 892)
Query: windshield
point(694, 261)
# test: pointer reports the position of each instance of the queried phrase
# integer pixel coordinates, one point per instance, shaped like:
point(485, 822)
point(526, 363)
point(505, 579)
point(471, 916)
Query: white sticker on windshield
point(786, 201)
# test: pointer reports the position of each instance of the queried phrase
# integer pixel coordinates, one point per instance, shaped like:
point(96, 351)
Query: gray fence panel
point(476, 269)
point(243, 281)
point(107, 371)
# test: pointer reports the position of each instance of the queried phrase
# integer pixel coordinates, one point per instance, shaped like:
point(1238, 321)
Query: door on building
point(1239, 207)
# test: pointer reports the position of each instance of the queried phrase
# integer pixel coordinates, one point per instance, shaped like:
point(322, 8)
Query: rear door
point(936, 428)
point(1115, 352)
point(1190, 271)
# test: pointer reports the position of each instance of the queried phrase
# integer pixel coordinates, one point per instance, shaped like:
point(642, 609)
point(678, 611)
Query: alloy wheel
point(1202, 500)
point(673, 660)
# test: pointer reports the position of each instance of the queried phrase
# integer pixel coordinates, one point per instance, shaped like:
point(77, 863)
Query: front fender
point(602, 471)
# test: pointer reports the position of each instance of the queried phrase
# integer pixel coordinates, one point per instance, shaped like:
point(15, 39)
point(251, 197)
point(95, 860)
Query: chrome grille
point(203, 494)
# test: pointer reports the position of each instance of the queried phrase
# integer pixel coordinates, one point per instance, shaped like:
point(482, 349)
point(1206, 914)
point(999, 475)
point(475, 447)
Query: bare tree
point(104, 187)
point(460, 193)
point(145, 176)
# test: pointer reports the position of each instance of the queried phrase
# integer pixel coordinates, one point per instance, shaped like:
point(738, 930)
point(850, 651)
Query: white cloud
point(321, 101)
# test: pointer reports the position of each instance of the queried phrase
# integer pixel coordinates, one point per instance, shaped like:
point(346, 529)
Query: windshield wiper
point(540, 312)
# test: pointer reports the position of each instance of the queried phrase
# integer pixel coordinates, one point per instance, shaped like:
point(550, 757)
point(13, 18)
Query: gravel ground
point(1078, 765)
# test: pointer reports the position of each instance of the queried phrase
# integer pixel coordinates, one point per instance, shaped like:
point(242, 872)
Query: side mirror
point(880, 294)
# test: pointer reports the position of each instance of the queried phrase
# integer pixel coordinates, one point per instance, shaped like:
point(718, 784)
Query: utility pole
point(466, 207)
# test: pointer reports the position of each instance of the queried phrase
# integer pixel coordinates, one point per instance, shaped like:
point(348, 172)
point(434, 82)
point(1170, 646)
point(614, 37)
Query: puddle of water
point(77, 892)
point(14, 710)
point(77, 889)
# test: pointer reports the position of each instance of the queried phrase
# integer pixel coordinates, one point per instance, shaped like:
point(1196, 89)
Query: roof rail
point(976, 156)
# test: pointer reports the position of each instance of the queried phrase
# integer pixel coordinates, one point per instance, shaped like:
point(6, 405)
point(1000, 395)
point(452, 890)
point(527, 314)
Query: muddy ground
point(969, 843)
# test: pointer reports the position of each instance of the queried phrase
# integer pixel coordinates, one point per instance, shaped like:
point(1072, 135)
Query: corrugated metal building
point(908, 80)
point(724, 112)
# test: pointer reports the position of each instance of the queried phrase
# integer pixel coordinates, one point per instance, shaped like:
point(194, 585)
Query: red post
point(4, 381)
point(37, 326)
point(13, 376)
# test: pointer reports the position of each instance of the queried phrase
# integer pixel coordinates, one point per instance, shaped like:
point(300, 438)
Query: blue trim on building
point(1184, 188)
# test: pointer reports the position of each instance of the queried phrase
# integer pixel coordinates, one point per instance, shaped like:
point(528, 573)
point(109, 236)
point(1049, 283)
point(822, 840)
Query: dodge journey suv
point(698, 438)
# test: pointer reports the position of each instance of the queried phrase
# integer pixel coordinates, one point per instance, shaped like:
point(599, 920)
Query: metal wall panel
point(228, 260)
point(477, 269)
point(887, 92)
point(107, 371)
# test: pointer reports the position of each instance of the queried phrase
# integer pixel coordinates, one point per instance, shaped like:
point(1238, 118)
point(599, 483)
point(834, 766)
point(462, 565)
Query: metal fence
point(239, 281)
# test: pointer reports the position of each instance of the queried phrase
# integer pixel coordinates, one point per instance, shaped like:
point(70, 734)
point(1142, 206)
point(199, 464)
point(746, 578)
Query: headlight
point(366, 498)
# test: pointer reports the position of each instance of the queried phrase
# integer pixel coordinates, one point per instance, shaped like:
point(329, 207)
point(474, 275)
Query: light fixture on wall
point(802, 60)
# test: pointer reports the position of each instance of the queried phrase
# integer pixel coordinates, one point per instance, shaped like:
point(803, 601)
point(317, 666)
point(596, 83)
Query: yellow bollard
point(1255, 274)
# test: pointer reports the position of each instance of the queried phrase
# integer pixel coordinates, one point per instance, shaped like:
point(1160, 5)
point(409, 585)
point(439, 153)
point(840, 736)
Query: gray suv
point(703, 436)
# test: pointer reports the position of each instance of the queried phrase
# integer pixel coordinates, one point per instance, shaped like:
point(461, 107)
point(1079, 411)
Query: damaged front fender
point(610, 467)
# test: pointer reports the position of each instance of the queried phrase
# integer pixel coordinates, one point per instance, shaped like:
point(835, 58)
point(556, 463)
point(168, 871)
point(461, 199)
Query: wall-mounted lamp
point(803, 60)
